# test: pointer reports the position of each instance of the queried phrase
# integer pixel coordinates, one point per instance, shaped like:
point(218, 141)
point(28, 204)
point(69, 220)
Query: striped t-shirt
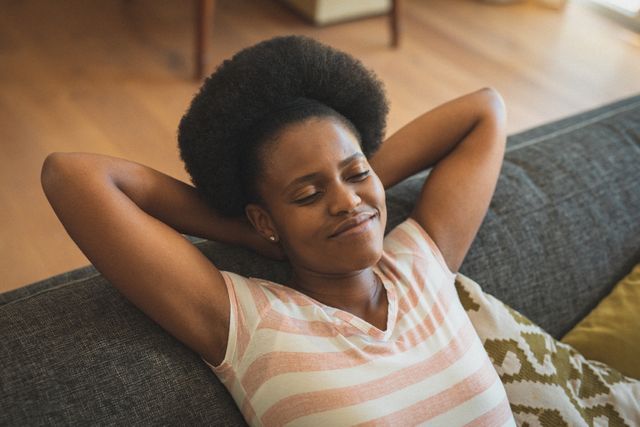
point(292, 360)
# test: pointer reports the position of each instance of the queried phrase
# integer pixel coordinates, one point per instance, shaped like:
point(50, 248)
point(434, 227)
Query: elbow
point(495, 113)
point(495, 102)
point(48, 170)
point(53, 171)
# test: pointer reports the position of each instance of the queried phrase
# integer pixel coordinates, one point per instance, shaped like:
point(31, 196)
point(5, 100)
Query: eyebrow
point(312, 176)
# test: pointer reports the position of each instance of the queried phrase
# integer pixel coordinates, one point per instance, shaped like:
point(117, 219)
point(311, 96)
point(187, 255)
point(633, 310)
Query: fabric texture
point(611, 332)
point(292, 360)
point(79, 354)
point(548, 383)
point(563, 226)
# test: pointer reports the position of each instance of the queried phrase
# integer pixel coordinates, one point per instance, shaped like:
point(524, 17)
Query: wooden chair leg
point(394, 16)
point(204, 21)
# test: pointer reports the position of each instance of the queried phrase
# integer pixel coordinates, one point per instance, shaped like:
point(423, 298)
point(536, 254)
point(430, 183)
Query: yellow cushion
point(611, 332)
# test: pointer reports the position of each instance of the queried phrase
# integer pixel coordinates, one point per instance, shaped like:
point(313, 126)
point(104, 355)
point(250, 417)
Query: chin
point(358, 257)
point(366, 262)
point(347, 254)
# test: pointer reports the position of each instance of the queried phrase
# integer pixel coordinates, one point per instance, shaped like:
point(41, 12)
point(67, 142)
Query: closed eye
point(307, 199)
point(312, 197)
point(360, 176)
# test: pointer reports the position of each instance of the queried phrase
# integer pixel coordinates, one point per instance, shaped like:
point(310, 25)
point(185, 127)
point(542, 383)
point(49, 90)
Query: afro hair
point(276, 81)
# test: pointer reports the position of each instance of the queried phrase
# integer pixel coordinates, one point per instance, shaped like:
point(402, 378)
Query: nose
point(344, 200)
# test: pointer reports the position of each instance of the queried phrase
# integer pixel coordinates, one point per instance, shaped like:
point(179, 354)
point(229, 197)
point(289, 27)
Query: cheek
point(303, 238)
point(378, 193)
point(379, 201)
point(301, 227)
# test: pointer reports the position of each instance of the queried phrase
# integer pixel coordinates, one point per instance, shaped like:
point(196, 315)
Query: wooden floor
point(114, 77)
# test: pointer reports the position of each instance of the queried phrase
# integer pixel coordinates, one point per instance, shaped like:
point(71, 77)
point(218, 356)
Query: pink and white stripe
point(292, 360)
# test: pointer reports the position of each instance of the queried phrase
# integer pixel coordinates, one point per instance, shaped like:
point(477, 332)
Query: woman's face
point(317, 182)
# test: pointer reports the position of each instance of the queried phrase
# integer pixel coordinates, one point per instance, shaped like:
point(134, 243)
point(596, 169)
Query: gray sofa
point(562, 229)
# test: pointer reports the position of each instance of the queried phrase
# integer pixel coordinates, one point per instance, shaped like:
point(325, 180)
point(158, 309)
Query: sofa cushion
point(547, 382)
point(564, 224)
point(610, 333)
point(79, 353)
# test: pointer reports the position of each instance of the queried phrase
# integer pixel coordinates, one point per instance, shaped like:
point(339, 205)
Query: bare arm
point(126, 218)
point(464, 141)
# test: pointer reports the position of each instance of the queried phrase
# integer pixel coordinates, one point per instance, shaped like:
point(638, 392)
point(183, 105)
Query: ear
point(261, 221)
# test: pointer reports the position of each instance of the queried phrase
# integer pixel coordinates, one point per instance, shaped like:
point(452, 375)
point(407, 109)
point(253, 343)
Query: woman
point(284, 145)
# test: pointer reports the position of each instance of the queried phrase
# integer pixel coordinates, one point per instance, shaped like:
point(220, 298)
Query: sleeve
point(410, 238)
point(242, 320)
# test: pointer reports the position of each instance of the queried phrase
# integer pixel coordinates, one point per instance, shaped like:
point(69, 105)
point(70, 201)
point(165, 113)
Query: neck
point(358, 292)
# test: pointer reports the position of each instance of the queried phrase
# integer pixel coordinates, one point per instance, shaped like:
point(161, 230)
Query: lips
point(352, 222)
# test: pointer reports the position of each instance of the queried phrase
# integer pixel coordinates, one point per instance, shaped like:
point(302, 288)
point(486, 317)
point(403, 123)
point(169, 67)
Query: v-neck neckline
point(364, 326)
point(351, 319)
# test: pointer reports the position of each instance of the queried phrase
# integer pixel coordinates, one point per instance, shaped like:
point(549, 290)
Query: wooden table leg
point(204, 21)
point(396, 9)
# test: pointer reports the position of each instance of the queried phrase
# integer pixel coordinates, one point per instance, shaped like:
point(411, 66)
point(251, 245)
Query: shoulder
point(252, 298)
point(245, 293)
point(247, 304)
point(409, 240)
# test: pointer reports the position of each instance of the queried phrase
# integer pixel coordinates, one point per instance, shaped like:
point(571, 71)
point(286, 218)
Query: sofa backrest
point(562, 228)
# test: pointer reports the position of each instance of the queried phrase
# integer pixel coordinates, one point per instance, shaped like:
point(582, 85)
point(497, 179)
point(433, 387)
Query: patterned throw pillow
point(548, 383)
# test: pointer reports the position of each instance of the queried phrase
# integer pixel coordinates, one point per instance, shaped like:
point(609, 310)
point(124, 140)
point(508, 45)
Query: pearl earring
point(272, 238)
